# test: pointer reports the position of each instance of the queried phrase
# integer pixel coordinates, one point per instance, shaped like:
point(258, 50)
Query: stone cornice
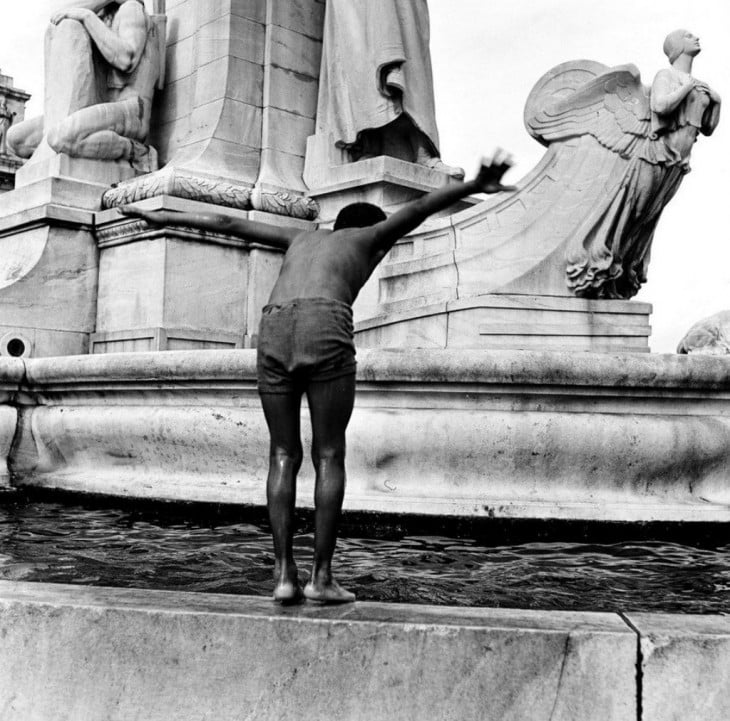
point(182, 184)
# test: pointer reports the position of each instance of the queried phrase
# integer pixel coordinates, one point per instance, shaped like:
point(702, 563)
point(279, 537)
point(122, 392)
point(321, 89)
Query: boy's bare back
point(326, 264)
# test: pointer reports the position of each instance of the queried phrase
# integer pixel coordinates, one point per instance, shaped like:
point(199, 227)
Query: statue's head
point(359, 215)
point(681, 42)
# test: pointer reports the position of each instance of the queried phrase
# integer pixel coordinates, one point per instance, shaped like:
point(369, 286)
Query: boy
point(305, 345)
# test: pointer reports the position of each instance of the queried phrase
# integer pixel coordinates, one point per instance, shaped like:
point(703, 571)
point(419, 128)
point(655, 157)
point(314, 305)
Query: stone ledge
point(685, 665)
point(614, 372)
point(503, 434)
point(78, 652)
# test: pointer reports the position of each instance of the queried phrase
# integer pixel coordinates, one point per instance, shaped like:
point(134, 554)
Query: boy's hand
point(153, 217)
point(490, 173)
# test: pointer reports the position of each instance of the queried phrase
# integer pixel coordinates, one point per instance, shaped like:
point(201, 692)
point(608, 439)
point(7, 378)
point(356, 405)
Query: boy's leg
point(330, 406)
point(285, 458)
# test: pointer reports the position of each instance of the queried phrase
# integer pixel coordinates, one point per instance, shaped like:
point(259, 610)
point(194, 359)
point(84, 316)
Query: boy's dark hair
point(359, 215)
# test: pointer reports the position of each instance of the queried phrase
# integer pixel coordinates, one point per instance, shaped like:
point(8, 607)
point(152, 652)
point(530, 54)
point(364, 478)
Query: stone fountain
point(505, 370)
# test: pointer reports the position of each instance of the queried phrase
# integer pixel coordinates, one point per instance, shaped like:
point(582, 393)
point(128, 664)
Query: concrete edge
point(118, 653)
point(73, 652)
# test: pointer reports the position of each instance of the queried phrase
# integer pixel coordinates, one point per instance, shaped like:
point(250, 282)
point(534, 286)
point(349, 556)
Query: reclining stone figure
point(103, 60)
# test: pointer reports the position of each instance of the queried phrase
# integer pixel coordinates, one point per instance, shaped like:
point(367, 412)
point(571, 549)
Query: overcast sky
point(487, 56)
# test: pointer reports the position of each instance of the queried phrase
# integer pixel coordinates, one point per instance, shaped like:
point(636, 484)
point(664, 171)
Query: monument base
point(60, 165)
point(521, 322)
point(48, 272)
point(178, 288)
point(384, 181)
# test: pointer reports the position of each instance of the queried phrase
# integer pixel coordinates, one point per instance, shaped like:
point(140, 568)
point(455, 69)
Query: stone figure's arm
point(408, 218)
point(122, 49)
point(664, 100)
point(273, 236)
point(705, 88)
point(94, 6)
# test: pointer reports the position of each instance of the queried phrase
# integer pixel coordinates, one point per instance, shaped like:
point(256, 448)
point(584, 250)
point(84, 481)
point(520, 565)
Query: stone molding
point(281, 202)
point(188, 186)
point(460, 433)
point(180, 184)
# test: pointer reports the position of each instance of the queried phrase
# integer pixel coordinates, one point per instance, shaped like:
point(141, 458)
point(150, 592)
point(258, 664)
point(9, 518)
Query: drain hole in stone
point(16, 347)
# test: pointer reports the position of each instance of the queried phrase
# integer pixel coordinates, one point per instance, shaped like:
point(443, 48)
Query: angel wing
point(613, 107)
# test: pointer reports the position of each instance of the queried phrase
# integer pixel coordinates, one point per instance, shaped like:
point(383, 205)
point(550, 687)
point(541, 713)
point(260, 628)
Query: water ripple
point(50, 542)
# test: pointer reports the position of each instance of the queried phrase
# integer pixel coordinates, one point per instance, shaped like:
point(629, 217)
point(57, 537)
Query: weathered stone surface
point(8, 425)
point(685, 666)
point(475, 433)
point(74, 652)
point(501, 321)
point(48, 278)
point(205, 127)
point(11, 375)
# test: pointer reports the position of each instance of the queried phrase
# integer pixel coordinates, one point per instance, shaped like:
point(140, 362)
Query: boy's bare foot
point(330, 592)
point(287, 590)
point(288, 593)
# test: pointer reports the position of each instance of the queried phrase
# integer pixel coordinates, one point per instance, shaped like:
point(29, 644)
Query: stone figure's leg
point(285, 458)
point(71, 73)
point(103, 131)
point(330, 406)
point(25, 137)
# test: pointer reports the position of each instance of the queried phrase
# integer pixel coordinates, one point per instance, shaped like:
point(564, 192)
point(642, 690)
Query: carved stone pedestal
point(384, 181)
point(59, 165)
point(176, 288)
point(48, 274)
point(510, 321)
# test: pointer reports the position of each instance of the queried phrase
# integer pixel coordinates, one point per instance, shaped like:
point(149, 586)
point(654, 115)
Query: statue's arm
point(94, 6)
point(664, 99)
point(121, 49)
point(273, 236)
point(408, 218)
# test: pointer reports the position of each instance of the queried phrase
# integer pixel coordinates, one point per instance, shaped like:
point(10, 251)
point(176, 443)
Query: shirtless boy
point(305, 345)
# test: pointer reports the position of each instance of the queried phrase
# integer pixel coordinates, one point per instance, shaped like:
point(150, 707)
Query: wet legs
point(285, 458)
point(330, 407)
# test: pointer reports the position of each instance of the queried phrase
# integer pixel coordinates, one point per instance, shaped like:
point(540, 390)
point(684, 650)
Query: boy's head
point(359, 215)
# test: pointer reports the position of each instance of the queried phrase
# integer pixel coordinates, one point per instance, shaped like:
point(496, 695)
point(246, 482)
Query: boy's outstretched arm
point(274, 236)
point(408, 218)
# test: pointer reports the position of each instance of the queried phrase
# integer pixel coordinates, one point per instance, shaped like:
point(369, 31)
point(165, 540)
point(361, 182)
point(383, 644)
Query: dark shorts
point(304, 341)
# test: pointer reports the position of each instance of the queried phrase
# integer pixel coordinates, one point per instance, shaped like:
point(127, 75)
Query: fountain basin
point(513, 434)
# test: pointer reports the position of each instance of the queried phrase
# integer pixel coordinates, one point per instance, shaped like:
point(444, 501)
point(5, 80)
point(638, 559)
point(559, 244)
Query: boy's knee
point(290, 456)
point(329, 455)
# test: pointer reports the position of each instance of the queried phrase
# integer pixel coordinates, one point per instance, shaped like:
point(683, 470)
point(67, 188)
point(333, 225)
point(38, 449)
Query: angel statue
point(646, 136)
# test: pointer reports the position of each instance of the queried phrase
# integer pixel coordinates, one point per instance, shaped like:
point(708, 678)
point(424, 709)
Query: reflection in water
point(50, 542)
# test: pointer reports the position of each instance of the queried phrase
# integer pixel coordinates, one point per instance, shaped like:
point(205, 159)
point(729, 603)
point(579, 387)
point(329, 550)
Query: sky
point(486, 58)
